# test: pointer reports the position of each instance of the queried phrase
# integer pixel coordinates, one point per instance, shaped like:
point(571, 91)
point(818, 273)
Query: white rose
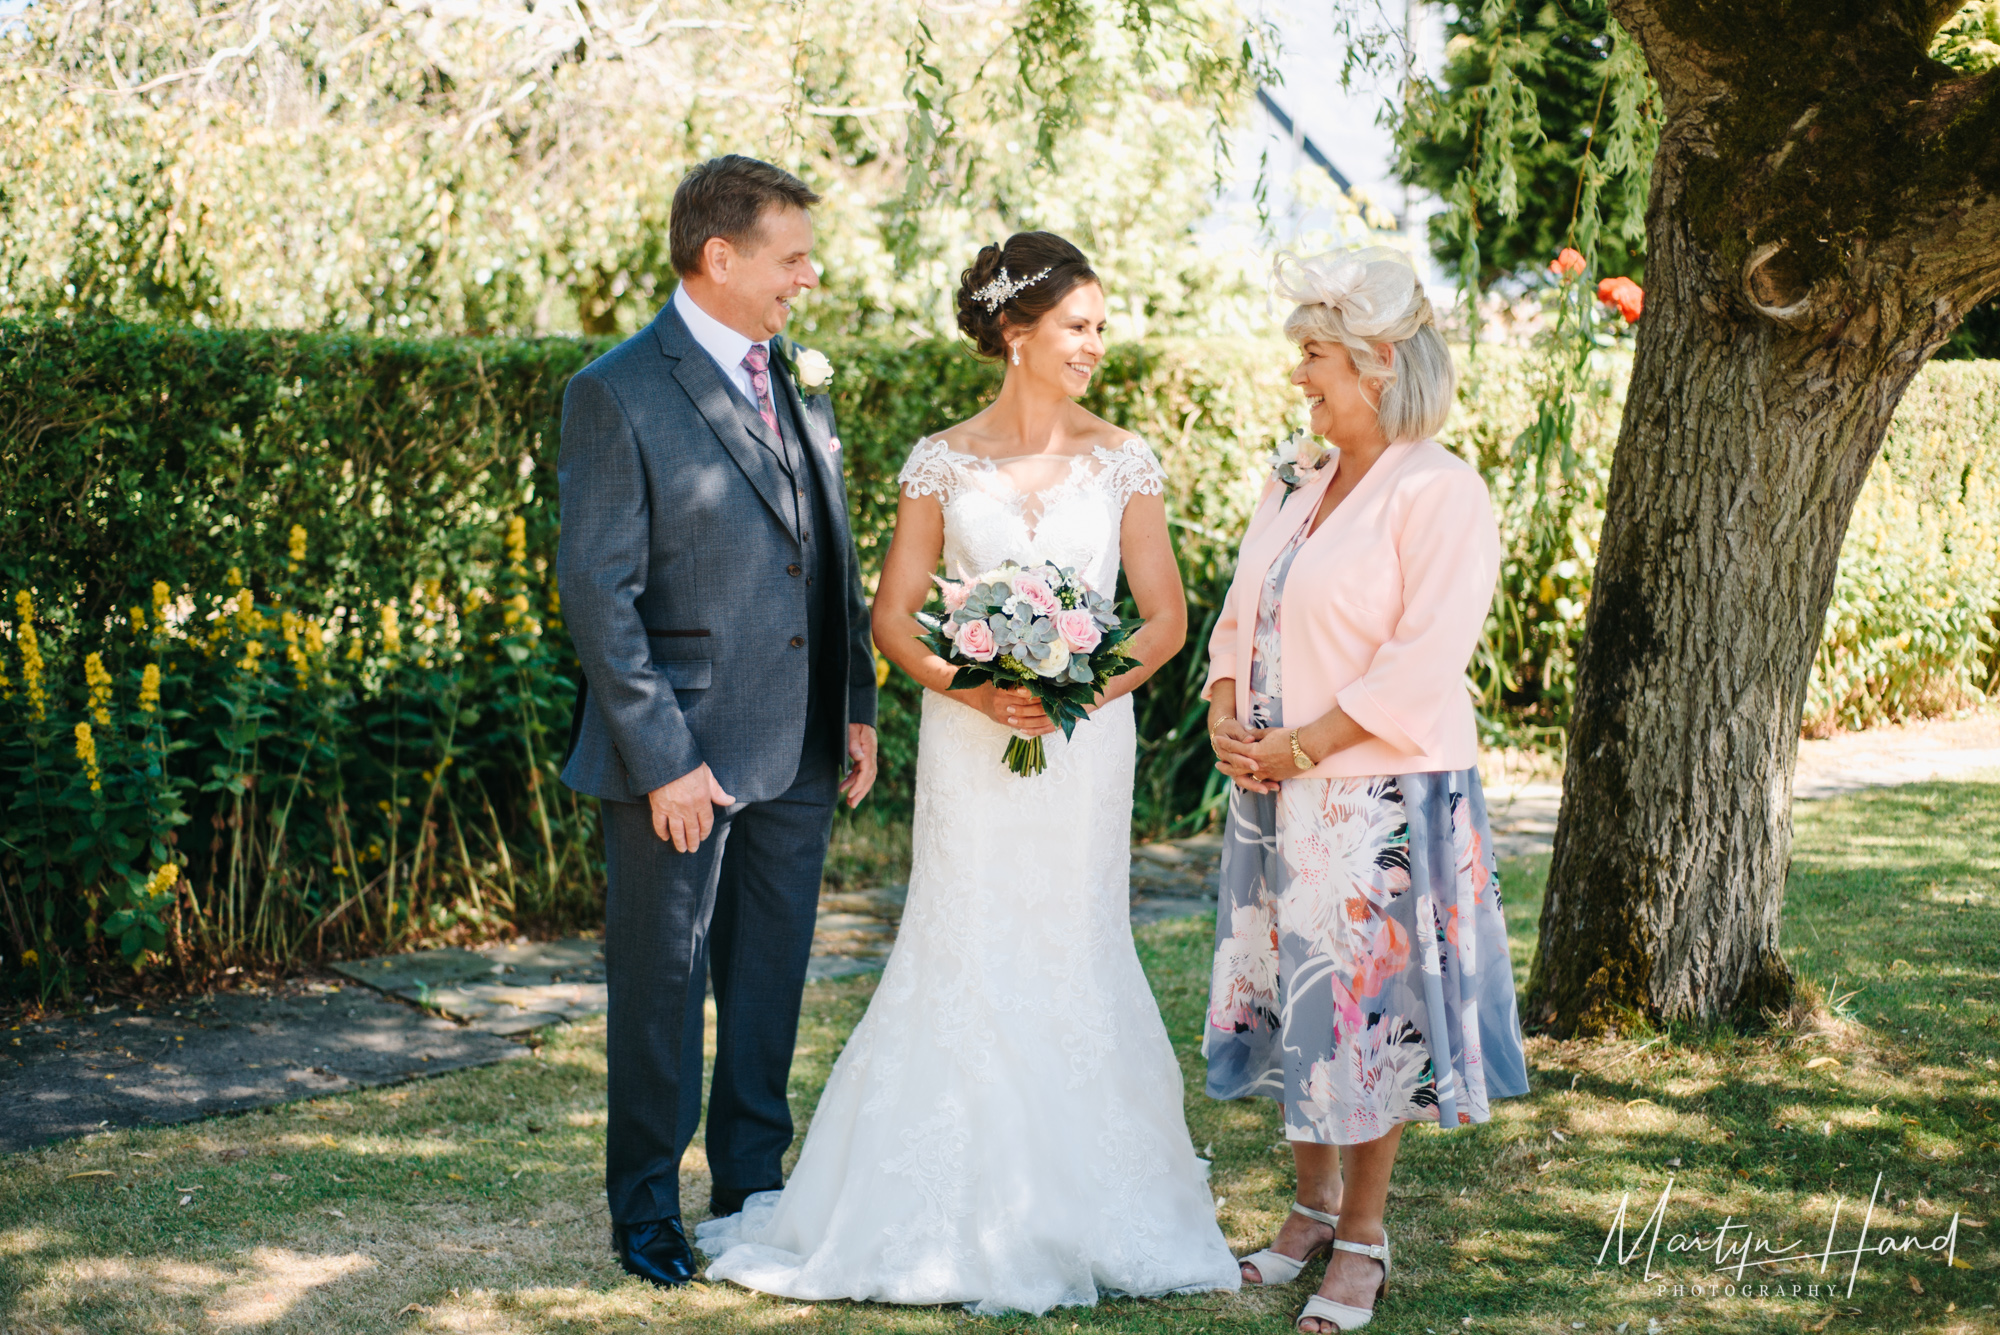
point(814, 369)
point(1057, 661)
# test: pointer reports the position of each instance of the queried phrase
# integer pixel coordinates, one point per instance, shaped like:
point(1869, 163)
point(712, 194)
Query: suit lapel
point(696, 371)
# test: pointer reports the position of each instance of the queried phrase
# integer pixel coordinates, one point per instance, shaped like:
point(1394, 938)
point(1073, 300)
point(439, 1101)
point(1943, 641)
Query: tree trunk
point(1770, 360)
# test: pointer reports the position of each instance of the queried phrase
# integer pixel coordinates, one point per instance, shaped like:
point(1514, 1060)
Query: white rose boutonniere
point(1296, 456)
point(811, 370)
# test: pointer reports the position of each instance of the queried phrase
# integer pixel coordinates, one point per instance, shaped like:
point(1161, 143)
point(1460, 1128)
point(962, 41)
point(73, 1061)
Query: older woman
point(1361, 970)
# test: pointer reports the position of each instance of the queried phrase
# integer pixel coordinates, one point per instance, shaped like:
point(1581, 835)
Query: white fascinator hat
point(1362, 299)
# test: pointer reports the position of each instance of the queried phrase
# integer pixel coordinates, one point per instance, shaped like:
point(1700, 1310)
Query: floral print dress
point(1361, 971)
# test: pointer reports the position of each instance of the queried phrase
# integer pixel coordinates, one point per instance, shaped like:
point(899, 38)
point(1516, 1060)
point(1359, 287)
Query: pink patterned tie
point(757, 362)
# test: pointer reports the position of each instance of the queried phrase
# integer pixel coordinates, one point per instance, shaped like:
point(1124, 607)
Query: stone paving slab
point(509, 989)
point(417, 969)
point(117, 1066)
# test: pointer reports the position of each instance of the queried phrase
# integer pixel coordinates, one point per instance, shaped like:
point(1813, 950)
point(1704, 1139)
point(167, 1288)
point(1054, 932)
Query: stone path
point(499, 989)
point(126, 1066)
point(440, 1010)
point(1523, 809)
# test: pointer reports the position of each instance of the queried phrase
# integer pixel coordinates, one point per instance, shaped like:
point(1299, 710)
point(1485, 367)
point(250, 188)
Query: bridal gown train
point(1005, 1127)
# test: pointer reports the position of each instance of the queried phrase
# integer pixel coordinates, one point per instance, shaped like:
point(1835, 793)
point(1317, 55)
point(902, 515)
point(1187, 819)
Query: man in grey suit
point(709, 581)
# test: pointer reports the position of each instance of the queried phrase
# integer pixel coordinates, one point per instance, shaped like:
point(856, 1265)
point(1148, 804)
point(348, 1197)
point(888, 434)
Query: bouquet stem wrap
point(1027, 756)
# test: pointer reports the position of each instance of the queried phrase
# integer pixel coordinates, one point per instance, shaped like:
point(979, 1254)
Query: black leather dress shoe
point(729, 1200)
point(656, 1250)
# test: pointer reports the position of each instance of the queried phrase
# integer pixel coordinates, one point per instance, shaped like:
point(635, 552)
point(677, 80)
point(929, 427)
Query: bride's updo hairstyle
point(988, 304)
point(1363, 298)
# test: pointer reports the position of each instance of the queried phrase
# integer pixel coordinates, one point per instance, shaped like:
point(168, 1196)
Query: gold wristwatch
point(1299, 756)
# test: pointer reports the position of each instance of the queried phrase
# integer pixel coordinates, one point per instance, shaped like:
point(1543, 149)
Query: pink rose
point(975, 641)
point(1079, 630)
point(1036, 594)
point(954, 592)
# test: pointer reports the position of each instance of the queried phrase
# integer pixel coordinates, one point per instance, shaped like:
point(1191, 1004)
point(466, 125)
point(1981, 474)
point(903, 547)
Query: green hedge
point(361, 750)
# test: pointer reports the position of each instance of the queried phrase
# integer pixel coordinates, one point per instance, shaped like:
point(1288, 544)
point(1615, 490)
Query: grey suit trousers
point(747, 899)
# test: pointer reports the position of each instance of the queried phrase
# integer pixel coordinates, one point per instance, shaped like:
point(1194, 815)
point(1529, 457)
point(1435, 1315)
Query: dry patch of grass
point(474, 1203)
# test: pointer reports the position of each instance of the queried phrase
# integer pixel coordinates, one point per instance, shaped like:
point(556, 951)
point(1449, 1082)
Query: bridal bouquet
point(1035, 626)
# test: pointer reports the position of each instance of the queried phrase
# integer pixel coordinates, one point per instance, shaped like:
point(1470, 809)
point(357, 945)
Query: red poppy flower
point(1567, 264)
point(1626, 295)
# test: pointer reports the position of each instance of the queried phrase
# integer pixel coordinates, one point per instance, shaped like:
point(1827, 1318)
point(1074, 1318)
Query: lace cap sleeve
point(1133, 471)
point(928, 472)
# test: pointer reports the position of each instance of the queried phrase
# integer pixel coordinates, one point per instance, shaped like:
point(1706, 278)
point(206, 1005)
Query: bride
point(1005, 1127)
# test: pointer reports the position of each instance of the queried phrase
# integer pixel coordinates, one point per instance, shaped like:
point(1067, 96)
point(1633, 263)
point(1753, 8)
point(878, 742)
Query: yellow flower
point(235, 576)
point(392, 631)
point(297, 545)
point(161, 885)
point(517, 544)
point(315, 637)
point(517, 609)
point(881, 672)
point(160, 595)
point(99, 682)
point(138, 620)
point(354, 650)
point(247, 619)
point(295, 654)
point(252, 655)
point(86, 751)
point(31, 656)
point(149, 688)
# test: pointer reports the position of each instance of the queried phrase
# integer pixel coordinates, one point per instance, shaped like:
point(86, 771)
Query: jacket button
point(798, 641)
point(792, 570)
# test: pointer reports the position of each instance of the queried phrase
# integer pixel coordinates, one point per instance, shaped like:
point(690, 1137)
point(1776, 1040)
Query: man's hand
point(684, 810)
point(860, 749)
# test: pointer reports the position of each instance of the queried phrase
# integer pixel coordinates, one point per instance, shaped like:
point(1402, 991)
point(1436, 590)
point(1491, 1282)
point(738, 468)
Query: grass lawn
point(473, 1202)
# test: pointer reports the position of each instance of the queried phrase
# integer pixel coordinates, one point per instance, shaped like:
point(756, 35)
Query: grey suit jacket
point(677, 568)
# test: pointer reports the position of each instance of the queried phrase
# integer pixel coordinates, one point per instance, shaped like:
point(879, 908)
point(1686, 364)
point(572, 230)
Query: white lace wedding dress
point(1005, 1127)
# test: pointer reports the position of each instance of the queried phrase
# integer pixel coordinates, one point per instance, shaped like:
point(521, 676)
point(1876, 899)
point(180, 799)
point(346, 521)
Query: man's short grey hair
point(1379, 293)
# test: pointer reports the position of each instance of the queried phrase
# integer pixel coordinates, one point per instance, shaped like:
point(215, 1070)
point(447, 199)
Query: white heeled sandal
point(1278, 1268)
point(1343, 1315)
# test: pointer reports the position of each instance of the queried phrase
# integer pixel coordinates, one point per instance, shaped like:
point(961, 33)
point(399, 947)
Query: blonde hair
point(1360, 299)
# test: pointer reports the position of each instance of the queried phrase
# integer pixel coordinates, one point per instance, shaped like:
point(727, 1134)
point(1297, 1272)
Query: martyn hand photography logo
point(1738, 1256)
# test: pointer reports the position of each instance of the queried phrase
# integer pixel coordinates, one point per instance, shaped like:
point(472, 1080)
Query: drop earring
point(1017, 354)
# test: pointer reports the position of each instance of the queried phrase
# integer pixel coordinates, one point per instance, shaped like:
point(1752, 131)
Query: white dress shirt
point(721, 342)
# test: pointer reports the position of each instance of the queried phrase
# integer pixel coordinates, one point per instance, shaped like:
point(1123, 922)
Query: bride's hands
point(1010, 707)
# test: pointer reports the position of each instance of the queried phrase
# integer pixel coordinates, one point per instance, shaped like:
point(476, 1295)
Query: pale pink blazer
point(1382, 609)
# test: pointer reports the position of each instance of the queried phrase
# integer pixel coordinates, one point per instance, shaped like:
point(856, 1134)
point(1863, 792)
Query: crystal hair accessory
point(1374, 288)
point(1004, 289)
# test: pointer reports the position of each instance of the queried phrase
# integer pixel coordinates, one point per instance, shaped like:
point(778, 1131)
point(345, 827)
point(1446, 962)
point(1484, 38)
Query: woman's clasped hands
point(1256, 758)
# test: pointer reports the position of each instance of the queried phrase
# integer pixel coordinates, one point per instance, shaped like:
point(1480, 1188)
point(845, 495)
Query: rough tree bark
point(1825, 207)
